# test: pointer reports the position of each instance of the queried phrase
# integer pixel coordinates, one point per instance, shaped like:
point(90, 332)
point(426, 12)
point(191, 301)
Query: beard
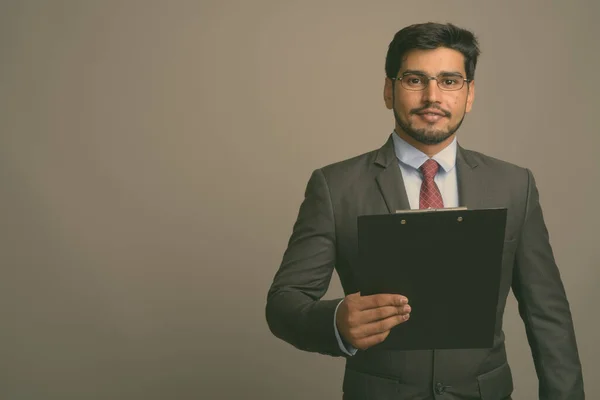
point(427, 136)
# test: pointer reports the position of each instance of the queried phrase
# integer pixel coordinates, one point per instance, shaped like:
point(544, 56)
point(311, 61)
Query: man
point(429, 87)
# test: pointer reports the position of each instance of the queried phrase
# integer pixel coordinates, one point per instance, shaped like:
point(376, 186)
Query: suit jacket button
point(439, 388)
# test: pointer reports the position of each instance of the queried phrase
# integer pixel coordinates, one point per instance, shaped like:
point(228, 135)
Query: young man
point(429, 87)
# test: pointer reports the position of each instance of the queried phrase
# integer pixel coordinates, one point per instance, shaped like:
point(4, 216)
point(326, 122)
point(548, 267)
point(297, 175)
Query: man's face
point(431, 115)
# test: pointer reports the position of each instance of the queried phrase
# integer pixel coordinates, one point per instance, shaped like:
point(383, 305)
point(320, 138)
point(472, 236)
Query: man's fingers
point(380, 300)
point(365, 328)
point(376, 314)
point(377, 327)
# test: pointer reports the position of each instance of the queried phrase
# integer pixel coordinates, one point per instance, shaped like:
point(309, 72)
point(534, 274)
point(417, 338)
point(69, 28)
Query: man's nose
point(431, 93)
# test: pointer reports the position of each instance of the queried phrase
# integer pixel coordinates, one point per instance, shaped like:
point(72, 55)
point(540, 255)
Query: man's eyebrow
point(451, 73)
point(414, 71)
point(445, 73)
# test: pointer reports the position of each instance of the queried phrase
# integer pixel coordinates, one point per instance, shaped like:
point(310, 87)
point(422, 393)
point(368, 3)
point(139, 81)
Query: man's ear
point(388, 94)
point(470, 96)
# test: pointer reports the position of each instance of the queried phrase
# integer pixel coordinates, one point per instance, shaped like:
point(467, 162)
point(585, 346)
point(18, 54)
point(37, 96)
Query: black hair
point(428, 36)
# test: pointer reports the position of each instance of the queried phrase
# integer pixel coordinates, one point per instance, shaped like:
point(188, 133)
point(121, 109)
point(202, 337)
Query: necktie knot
point(429, 169)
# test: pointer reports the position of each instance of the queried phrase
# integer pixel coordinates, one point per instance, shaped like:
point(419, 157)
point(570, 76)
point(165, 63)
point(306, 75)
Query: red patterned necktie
point(430, 196)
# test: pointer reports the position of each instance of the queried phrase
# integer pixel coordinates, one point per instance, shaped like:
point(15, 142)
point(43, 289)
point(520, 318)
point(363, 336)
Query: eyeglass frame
point(429, 79)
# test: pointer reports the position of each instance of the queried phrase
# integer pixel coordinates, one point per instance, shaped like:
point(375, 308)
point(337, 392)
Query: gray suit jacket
point(324, 237)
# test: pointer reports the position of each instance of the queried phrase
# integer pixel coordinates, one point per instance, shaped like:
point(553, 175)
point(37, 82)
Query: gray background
point(153, 156)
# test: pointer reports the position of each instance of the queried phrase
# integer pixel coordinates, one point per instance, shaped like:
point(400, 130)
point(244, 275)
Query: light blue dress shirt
point(410, 160)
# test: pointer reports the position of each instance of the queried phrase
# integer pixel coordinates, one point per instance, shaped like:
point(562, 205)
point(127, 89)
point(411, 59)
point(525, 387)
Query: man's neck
point(429, 149)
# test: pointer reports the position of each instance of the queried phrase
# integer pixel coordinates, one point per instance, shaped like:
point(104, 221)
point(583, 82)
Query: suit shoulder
point(495, 163)
point(342, 176)
point(357, 163)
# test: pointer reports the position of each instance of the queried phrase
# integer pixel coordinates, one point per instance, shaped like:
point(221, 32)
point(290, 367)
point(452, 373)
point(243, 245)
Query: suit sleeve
point(295, 311)
point(544, 308)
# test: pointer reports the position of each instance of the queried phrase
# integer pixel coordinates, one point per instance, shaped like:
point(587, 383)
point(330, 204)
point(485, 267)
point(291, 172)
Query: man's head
point(430, 111)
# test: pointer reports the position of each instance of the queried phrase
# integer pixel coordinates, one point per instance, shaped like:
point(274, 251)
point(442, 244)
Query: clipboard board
point(447, 263)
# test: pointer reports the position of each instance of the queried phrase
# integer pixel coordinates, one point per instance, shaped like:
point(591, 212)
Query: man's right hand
point(364, 321)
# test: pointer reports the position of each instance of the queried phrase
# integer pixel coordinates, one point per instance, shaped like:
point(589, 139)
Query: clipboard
point(447, 262)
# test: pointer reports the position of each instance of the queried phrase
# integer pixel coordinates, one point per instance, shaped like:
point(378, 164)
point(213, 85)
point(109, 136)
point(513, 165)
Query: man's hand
point(364, 321)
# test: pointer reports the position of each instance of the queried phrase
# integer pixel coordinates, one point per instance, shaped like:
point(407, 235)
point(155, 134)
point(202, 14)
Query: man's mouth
point(431, 112)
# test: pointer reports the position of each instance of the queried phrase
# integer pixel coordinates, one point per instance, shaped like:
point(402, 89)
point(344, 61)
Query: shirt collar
point(413, 157)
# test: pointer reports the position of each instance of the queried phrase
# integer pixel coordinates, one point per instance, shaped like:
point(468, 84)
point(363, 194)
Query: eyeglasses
point(416, 81)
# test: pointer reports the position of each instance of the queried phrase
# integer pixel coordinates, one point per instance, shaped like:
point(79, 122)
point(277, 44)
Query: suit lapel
point(472, 187)
point(390, 180)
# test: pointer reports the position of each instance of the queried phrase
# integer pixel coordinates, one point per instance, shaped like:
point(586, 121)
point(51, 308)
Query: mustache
point(430, 106)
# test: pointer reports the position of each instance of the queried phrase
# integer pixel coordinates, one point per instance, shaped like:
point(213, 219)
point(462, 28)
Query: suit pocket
point(496, 384)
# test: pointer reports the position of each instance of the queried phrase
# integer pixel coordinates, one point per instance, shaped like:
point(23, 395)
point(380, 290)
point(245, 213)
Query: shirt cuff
point(346, 348)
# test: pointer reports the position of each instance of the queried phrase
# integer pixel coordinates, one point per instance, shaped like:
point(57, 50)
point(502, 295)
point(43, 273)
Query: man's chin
point(435, 137)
